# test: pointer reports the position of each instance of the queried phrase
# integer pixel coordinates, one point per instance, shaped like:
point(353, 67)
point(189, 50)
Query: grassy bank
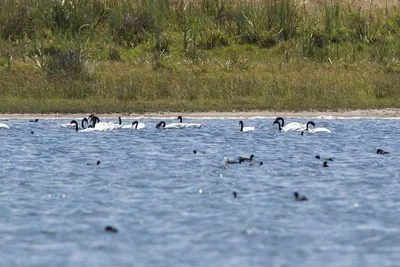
point(116, 56)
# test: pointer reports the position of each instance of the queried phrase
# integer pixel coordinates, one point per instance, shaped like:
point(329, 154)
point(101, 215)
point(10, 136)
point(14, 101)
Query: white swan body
point(293, 126)
point(190, 125)
point(172, 126)
point(245, 129)
point(4, 126)
point(319, 130)
point(135, 125)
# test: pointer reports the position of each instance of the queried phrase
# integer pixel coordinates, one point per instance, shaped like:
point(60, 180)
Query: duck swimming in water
point(325, 164)
point(381, 151)
point(298, 198)
point(246, 159)
point(229, 161)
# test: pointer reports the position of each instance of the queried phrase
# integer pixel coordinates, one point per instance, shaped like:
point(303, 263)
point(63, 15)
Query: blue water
point(174, 208)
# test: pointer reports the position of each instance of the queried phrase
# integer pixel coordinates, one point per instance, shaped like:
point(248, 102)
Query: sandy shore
point(378, 113)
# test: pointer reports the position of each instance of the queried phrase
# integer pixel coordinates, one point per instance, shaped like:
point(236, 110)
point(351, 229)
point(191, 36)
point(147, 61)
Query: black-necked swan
point(91, 128)
point(245, 129)
point(190, 125)
point(135, 125)
point(297, 197)
point(316, 130)
point(293, 126)
point(172, 126)
point(283, 129)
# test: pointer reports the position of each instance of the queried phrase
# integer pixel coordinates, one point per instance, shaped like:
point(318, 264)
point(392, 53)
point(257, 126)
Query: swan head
point(311, 123)
point(296, 195)
point(234, 194)
point(251, 156)
point(317, 157)
point(325, 164)
point(98, 162)
point(179, 118)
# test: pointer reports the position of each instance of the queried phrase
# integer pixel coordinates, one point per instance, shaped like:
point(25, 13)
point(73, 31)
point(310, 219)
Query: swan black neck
point(76, 124)
point(84, 120)
point(280, 119)
point(119, 120)
point(180, 119)
point(135, 123)
point(94, 120)
point(241, 125)
point(310, 123)
point(279, 124)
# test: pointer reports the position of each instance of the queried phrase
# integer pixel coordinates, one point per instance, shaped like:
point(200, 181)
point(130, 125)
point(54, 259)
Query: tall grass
point(197, 55)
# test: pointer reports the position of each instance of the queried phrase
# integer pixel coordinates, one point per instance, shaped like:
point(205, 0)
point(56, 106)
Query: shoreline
point(371, 113)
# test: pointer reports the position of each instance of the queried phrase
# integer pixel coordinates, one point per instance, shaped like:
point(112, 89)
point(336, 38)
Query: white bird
point(90, 129)
point(319, 130)
point(316, 130)
point(245, 129)
point(135, 125)
point(4, 126)
point(293, 126)
point(162, 126)
point(285, 129)
point(191, 125)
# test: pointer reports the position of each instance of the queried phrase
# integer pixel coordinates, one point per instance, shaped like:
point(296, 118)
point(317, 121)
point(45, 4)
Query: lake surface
point(174, 208)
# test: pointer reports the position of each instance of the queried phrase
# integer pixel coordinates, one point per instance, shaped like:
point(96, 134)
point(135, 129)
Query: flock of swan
point(92, 124)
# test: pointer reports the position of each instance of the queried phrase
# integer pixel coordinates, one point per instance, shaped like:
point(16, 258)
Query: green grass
point(99, 56)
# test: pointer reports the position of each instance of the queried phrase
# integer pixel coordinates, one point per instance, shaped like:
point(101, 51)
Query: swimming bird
point(35, 120)
point(298, 198)
point(245, 129)
point(229, 161)
point(256, 163)
point(246, 159)
point(110, 229)
point(135, 125)
point(325, 164)
point(172, 126)
point(93, 163)
point(197, 152)
point(4, 126)
point(328, 159)
point(234, 194)
point(190, 125)
point(381, 151)
point(315, 130)
point(74, 123)
point(293, 126)
point(284, 129)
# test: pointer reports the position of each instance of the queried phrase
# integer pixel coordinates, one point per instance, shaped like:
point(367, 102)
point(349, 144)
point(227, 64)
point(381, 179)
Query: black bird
point(199, 152)
point(381, 151)
point(325, 164)
point(110, 229)
point(234, 194)
point(35, 120)
point(298, 198)
point(246, 159)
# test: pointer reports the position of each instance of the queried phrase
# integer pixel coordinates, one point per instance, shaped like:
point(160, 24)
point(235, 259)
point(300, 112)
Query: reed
point(159, 55)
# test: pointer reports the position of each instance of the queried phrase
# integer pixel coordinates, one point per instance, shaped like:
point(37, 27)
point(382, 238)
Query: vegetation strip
point(207, 55)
